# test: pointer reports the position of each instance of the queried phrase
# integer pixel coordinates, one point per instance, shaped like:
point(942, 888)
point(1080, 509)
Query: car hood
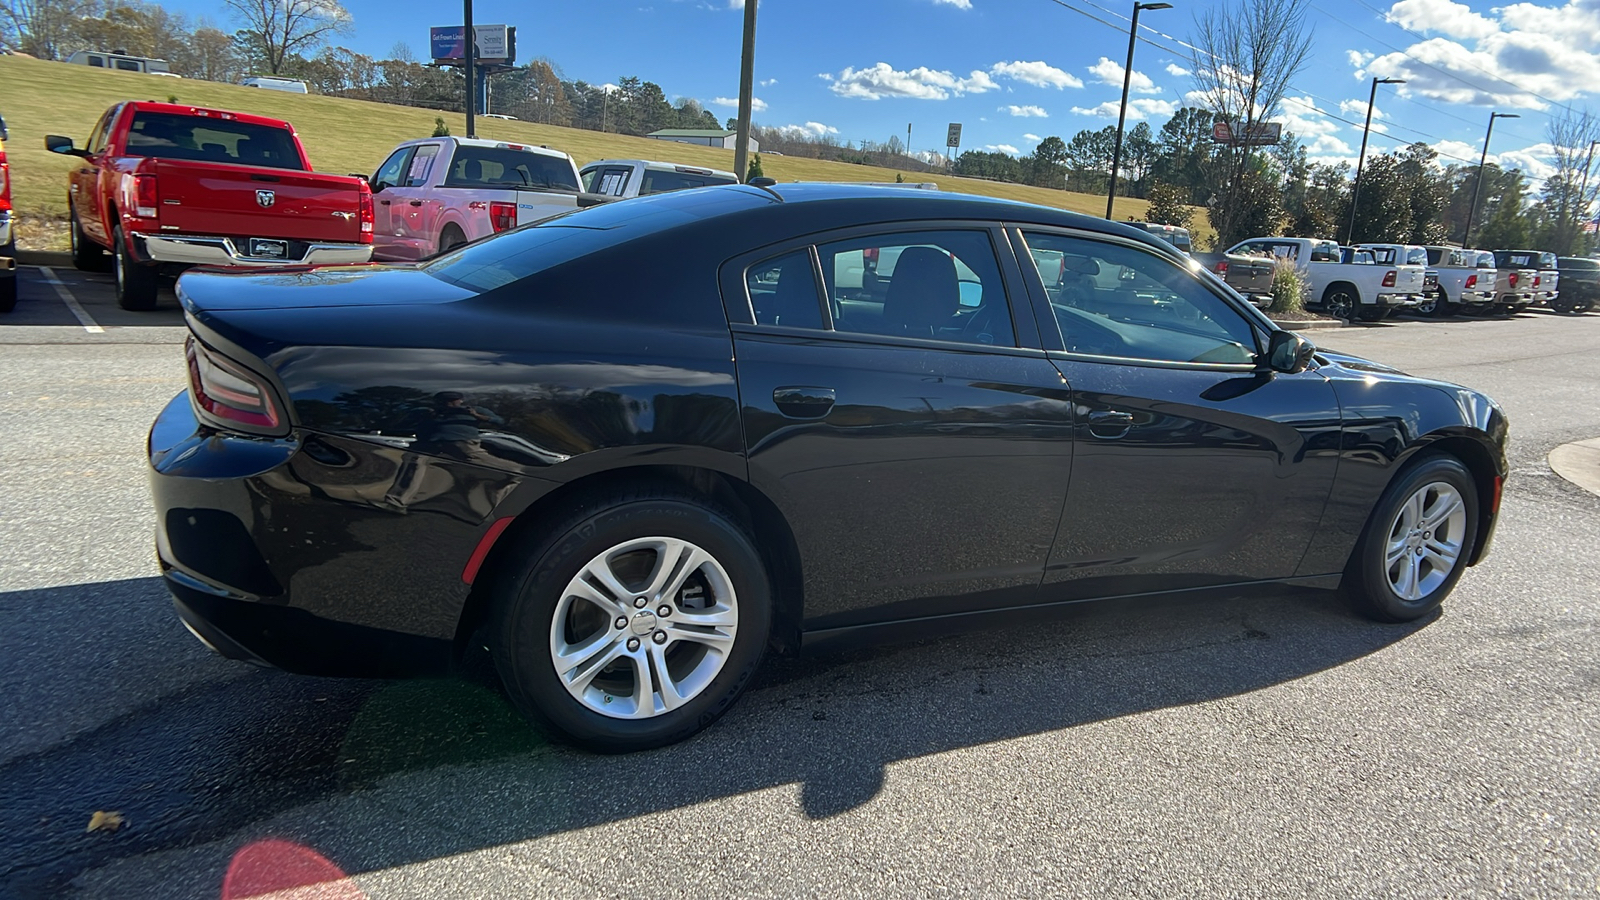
point(1355, 363)
point(300, 287)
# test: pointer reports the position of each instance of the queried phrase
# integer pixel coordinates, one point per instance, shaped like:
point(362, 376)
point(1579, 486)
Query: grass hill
point(344, 136)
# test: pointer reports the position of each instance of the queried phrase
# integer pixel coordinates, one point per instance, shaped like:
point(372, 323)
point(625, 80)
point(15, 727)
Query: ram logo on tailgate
point(265, 199)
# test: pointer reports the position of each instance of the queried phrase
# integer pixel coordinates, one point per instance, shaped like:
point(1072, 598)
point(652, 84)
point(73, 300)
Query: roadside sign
point(1262, 134)
point(497, 44)
point(953, 137)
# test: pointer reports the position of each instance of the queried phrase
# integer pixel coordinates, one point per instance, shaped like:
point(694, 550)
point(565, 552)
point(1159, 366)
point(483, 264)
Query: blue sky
point(1013, 71)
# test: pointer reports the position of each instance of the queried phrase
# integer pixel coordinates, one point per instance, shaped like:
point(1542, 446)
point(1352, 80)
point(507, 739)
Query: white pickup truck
point(1519, 281)
point(1353, 289)
point(1409, 255)
point(620, 178)
point(1467, 281)
point(438, 193)
point(1548, 286)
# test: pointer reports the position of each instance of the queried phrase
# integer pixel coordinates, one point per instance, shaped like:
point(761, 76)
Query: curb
point(1308, 324)
point(43, 258)
point(1579, 463)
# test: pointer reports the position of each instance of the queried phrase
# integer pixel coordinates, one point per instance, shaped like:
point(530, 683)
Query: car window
point(1416, 256)
point(393, 168)
point(943, 285)
point(509, 167)
point(783, 291)
point(609, 180)
point(657, 181)
point(1120, 301)
point(421, 163)
point(209, 139)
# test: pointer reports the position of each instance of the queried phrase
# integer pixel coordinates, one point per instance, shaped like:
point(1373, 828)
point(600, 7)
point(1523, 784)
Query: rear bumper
point(203, 250)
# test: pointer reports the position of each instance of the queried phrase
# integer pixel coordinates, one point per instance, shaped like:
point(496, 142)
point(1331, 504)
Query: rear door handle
point(416, 203)
point(803, 401)
point(384, 202)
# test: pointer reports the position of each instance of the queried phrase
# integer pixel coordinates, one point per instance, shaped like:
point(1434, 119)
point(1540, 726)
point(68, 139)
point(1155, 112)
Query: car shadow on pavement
point(238, 759)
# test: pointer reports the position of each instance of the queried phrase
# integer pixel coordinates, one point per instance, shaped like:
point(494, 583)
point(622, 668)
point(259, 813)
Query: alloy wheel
point(644, 627)
point(1425, 540)
point(1339, 305)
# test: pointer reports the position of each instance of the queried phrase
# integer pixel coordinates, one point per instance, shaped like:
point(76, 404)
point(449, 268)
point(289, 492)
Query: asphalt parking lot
point(1263, 745)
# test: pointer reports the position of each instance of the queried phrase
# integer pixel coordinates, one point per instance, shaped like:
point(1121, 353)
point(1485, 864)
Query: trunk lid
point(1409, 279)
point(323, 287)
point(256, 201)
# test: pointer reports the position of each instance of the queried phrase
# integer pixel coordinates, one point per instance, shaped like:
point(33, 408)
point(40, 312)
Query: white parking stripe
point(88, 322)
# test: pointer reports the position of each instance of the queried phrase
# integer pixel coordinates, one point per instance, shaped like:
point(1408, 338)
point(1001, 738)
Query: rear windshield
point(1516, 260)
point(657, 181)
point(1486, 260)
point(1576, 262)
point(505, 167)
point(1547, 260)
point(210, 139)
point(1416, 256)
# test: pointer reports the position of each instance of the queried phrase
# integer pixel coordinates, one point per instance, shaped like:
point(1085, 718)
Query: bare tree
point(1570, 192)
point(1246, 53)
point(275, 30)
point(47, 29)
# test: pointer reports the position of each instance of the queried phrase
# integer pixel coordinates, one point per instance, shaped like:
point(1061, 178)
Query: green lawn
point(346, 136)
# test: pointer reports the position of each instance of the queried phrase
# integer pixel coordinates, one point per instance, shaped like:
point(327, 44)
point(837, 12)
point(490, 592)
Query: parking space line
point(71, 302)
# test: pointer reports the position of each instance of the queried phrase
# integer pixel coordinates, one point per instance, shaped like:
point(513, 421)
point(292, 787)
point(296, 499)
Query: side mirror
point(4, 135)
point(55, 143)
point(1288, 352)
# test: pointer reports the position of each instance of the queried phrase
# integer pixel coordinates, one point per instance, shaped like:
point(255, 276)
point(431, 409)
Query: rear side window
point(783, 291)
point(421, 165)
point(657, 181)
point(211, 139)
point(609, 180)
point(504, 167)
point(942, 285)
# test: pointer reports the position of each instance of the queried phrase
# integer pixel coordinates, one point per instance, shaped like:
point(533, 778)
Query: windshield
point(211, 139)
point(505, 167)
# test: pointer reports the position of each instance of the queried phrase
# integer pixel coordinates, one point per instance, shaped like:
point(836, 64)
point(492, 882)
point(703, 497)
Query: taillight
point(367, 215)
point(1513, 279)
point(1388, 278)
point(228, 394)
point(869, 257)
point(1222, 267)
point(146, 198)
point(1537, 279)
point(502, 216)
point(1472, 281)
point(5, 183)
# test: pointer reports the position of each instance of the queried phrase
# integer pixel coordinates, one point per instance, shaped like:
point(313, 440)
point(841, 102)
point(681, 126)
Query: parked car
point(1409, 255)
point(1466, 281)
point(1580, 284)
point(8, 237)
point(640, 177)
point(1519, 279)
point(167, 185)
point(274, 83)
point(1548, 285)
point(1251, 275)
point(1172, 234)
point(738, 452)
point(120, 62)
point(436, 194)
point(1344, 286)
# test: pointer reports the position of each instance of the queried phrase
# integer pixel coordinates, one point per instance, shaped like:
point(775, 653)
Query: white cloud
point(1038, 74)
point(756, 103)
point(1003, 148)
point(1536, 161)
point(1110, 72)
point(811, 130)
point(607, 88)
point(1026, 111)
point(1139, 108)
point(1519, 56)
point(768, 82)
point(1032, 138)
point(922, 83)
point(1177, 71)
point(1311, 124)
point(958, 4)
point(1357, 110)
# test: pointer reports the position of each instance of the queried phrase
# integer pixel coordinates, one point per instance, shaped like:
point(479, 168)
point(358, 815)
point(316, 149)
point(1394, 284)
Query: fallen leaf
point(105, 821)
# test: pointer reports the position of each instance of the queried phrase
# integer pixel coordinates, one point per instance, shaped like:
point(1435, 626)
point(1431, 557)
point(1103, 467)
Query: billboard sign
point(1262, 134)
point(497, 44)
point(953, 136)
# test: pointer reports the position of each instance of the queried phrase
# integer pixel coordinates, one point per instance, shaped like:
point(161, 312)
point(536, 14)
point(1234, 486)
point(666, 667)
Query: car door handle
point(802, 401)
point(1110, 424)
point(384, 202)
point(416, 203)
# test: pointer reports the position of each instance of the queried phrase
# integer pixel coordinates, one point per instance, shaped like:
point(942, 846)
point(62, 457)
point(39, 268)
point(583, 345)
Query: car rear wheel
point(8, 281)
point(1417, 542)
point(633, 625)
point(136, 284)
point(450, 239)
point(1340, 303)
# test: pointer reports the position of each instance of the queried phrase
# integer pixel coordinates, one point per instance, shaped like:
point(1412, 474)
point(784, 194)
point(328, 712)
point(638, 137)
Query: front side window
point(1115, 300)
point(783, 291)
point(941, 285)
point(393, 169)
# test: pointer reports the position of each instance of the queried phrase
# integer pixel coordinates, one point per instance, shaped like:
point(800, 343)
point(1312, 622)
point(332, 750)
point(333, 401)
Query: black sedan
point(631, 448)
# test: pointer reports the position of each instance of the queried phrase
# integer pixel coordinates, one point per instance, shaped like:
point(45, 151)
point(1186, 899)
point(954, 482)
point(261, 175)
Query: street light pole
point(471, 38)
point(1355, 192)
point(1122, 116)
point(1477, 187)
point(747, 75)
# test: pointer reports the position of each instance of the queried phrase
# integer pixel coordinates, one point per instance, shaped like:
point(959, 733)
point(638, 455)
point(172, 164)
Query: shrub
point(754, 170)
point(440, 129)
point(1288, 290)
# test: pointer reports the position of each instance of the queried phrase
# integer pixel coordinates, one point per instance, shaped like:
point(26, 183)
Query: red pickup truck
point(165, 186)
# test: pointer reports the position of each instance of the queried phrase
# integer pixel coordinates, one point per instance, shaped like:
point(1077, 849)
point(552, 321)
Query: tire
point(8, 281)
point(1432, 304)
point(1416, 543)
point(450, 239)
point(545, 607)
point(1562, 305)
point(86, 255)
point(1340, 303)
point(136, 284)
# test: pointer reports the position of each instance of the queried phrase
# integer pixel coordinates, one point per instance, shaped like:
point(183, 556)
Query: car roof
point(659, 164)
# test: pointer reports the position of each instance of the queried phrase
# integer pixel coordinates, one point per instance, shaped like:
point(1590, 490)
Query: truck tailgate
point(1249, 275)
point(1409, 279)
point(240, 201)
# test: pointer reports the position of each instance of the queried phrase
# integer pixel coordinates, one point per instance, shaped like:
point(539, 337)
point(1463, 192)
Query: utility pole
point(1583, 192)
point(747, 76)
point(471, 38)
point(1355, 192)
point(1122, 116)
point(1477, 186)
point(908, 139)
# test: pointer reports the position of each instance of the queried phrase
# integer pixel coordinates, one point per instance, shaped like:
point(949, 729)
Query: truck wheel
point(8, 282)
point(451, 239)
point(1561, 305)
point(1340, 303)
point(86, 256)
point(136, 284)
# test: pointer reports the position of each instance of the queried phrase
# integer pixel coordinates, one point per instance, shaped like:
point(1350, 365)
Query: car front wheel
point(1417, 542)
point(634, 625)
